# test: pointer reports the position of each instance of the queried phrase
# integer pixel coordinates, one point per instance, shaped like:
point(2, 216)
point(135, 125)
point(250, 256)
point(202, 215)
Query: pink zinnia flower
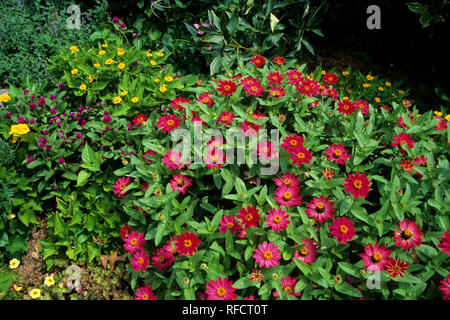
point(407, 165)
point(346, 106)
point(308, 87)
point(120, 185)
point(221, 289)
point(226, 87)
point(134, 242)
point(288, 180)
point(301, 156)
point(145, 293)
point(162, 259)
point(255, 90)
point(124, 232)
point(288, 284)
point(445, 288)
point(294, 76)
point(277, 92)
point(342, 229)
point(375, 257)
point(139, 261)
point(258, 61)
point(248, 82)
point(292, 142)
point(249, 217)
point(168, 123)
point(205, 98)
point(337, 153)
point(249, 129)
point(214, 158)
point(176, 103)
point(279, 60)
point(267, 151)
point(226, 118)
point(287, 196)
point(172, 159)
point(274, 78)
point(409, 236)
point(361, 104)
point(229, 223)
point(267, 255)
point(180, 182)
point(403, 139)
point(187, 243)
point(358, 185)
point(277, 219)
point(320, 209)
point(444, 243)
point(330, 78)
point(308, 253)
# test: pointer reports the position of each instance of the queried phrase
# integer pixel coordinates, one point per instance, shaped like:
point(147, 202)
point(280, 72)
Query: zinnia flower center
point(361, 106)
point(406, 234)
point(266, 150)
point(140, 261)
point(187, 243)
point(357, 184)
point(249, 217)
point(320, 208)
point(122, 186)
point(268, 255)
point(300, 155)
point(303, 251)
point(170, 123)
point(343, 229)
point(162, 259)
point(221, 292)
point(337, 153)
point(227, 88)
point(230, 225)
point(376, 257)
point(274, 78)
point(205, 100)
point(288, 289)
point(396, 269)
point(225, 118)
point(293, 143)
point(145, 296)
point(254, 89)
point(172, 159)
point(180, 182)
point(277, 219)
point(134, 242)
point(287, 182)
point(403, 142)
point(287, 196)
point(294, 77)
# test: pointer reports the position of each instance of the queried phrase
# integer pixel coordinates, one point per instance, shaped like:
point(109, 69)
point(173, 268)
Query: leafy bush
point(32, 31)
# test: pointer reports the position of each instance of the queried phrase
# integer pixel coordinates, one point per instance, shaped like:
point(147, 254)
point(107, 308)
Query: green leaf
point(348, 268)
point(347, 289)
point(60, 227)
point(82, 178)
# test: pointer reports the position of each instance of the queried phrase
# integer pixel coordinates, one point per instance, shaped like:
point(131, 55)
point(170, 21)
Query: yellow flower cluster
point(5, 97)
point(19, 129)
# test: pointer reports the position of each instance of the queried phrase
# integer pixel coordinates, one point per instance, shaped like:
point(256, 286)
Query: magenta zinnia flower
point(168, 123)
point(308, 253)
point(409, 236)
point(162, 259)
point(249, 217)
point(277, 219)
point(176, 103)
point(444, 243)
point(358, 185)
point(300, 156)
point(139, 261)
point(288, 180)
point(187, 243)
point(120, 185)
point(220, 290)
point(396, 267)
point(292, 142)
point(320, 209)
point(145, 293)
point(274, 78)
point(287, 196)
point(134, 242)
point(375, 257)
point(342, 229)
point(403, 139)
point(172, 159)
point(267, 255)
point(288, 284)
point(445, 288)
point(180, 182)
point(229, 223)
point(337, 153)
point(226, 118)
point(258, 61)
point(206, 99)
point(346, 106)
point(249, 129)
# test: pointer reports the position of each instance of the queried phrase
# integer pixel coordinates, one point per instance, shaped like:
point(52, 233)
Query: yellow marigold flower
point(153, 62)
point(345, 98)
point(17, 288)
point(370, 77)
point(14, 139)
point(149, 54)
point(74, 71)
point(109, 61)
point(447, 117)
point(366, 85)
point(438, 113)
point(14, 263)
point(120, 51)
point(163, 88)
point(19, 129)
point(157, 80)
point(105, 45)
point(168, 78)
point(388, 84)
point(345, 73)
point(96, 64)
point(380, 88)
point(117, 100)
point(5, 97)
point(160, 54)
point(323, 72)
point(134, 99)
point(377, 99)
point(49, 281)
point(35, 293)
point(101, 52)
point(82, 86)
point(401, 91)
point(91, 79)
point(74, 49)
point(121, 65)
point(124, 93)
